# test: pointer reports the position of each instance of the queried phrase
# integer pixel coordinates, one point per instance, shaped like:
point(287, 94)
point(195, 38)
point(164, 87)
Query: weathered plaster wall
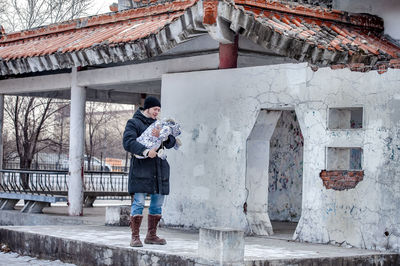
point(218, 109)
point(286, 170)
point(368, 215)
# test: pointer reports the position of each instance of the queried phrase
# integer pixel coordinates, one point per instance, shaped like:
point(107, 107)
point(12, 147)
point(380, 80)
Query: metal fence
point(63, 167)
point(107, 185)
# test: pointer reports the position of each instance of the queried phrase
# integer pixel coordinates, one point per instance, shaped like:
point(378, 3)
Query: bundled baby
point(167, 127)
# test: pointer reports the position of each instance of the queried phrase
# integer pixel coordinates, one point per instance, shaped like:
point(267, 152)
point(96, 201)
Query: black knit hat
point(151, 101)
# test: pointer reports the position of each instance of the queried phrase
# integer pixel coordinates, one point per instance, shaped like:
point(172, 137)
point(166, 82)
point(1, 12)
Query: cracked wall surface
point(217, 110)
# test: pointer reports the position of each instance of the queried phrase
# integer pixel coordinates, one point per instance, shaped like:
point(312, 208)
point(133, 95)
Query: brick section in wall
point(341, 179)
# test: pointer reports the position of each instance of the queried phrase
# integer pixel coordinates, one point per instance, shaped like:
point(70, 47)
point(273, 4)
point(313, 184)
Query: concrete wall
point(286, 170)
point(218, 110)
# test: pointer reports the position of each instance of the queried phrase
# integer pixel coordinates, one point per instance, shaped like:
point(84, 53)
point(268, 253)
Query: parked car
point(95, 165)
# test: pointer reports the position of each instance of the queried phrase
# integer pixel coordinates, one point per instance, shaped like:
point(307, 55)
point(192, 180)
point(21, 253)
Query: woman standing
point(146, 176)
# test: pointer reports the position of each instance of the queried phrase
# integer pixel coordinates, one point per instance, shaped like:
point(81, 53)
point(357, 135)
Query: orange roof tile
point(313, 31)
point(65, 38)
point(322, 37)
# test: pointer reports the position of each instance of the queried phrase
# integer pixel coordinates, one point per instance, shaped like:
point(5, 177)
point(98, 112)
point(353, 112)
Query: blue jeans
point(156, 203)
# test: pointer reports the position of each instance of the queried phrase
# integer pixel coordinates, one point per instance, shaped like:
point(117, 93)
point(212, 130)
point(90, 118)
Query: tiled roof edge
point(140, 3)
point(317, 55)
point(106, 18)
point(356, 19)
point(184, 28)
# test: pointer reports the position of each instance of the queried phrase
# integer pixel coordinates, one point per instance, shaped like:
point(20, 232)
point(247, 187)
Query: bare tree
point(115, 134)
point(105, 124)
point(60, 131)
point(27, 14)
point(2, 6)
point(9, 153)
point(31, 123)
point(30, 116)
point(98, 116)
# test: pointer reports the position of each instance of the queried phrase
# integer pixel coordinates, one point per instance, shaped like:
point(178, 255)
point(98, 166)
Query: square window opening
point(339, 158)
point(345, 118)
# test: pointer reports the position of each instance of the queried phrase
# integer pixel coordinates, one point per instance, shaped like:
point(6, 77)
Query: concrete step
point(101, 245)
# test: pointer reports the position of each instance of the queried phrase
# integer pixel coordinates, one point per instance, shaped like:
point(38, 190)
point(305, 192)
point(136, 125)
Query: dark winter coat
point(150, 175)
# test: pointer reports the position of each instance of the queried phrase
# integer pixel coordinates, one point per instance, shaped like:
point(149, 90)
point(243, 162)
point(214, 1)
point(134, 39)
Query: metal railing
point(96, 183)
point(106, 181)
point(63, 167)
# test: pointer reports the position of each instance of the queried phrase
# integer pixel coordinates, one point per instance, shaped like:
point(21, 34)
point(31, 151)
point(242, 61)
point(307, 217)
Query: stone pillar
point(257, 163)
point(76, 147)
point(228, 54)
point(1, 128)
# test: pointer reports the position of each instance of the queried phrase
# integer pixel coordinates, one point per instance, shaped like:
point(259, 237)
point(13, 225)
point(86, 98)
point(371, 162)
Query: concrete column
point(76, 147)
point(228, 54)
point(257, 163)
point(1, 128)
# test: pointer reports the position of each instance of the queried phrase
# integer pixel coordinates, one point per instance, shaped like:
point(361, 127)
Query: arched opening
point(274, 174)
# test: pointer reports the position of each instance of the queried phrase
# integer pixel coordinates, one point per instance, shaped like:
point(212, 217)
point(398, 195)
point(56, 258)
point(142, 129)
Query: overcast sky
point(101, 6)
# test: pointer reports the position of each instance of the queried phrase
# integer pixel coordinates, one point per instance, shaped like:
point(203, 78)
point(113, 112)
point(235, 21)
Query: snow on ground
point(14, 259)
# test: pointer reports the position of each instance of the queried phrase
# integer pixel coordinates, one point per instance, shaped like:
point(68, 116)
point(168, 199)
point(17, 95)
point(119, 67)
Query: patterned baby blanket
point(167, 127)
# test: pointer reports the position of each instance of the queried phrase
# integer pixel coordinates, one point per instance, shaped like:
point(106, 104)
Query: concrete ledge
point(371, 260)
point(101, 245)
point(84, 253)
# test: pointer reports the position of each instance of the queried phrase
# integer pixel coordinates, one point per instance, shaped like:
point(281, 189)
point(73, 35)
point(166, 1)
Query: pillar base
point(118, 215)
point(259, 224)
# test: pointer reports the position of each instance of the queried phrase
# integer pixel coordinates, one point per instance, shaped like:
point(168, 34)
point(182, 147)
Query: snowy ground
point(14, 259)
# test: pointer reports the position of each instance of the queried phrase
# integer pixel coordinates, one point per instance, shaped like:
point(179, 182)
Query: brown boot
point(135, 223)
point(151, 237)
